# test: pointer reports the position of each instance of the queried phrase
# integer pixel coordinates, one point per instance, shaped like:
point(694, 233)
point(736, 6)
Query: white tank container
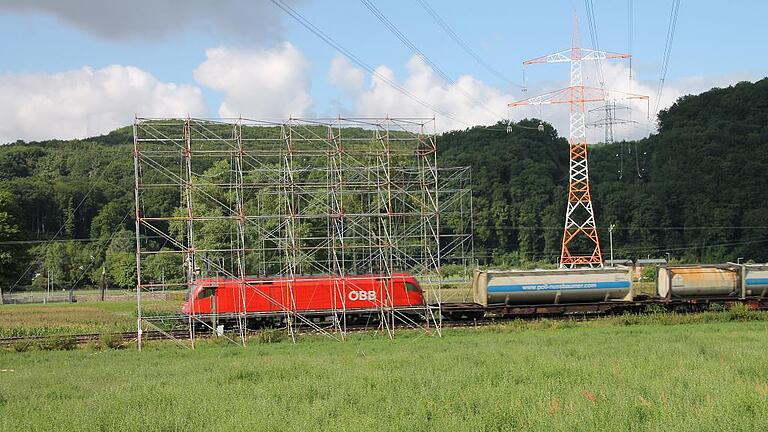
point(755, 282)
point(524, 287)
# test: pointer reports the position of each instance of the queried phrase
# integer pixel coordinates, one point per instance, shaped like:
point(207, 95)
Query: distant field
point(601, 375)
point(73, 318)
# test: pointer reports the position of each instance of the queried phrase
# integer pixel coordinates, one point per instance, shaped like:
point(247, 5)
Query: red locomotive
point(316, 295)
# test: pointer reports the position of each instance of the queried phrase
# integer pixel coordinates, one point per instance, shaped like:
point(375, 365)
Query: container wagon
point(539, 287)
point(712, 280)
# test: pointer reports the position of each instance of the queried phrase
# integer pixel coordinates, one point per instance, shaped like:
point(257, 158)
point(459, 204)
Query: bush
point(716, 307)
point(740, 312)
point(655, 309)
point(111, 341)
point(23, 345)
point(270, 335)
point(58, 343)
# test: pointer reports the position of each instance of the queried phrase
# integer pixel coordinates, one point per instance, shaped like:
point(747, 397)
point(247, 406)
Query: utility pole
point(103, 282)
point(580, 231)
point(610, 236)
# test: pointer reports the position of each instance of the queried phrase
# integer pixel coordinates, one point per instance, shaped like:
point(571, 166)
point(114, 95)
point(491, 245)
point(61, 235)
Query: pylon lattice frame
point(580, 224)
point(332, 197)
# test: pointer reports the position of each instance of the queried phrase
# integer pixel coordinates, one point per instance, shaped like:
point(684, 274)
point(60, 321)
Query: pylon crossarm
point(590, 54)
point(577, 94)
point(557, 57)
point(571, 54)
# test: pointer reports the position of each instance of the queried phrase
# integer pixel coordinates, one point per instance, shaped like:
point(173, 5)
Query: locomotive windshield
point(412, 287)
point(206, 292)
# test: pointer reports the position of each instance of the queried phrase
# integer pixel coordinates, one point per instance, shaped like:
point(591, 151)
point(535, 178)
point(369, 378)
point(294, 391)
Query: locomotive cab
point(201, 300)
point(414, 294)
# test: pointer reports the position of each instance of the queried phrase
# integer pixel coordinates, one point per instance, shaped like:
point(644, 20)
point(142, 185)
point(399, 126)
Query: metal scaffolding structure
point(240, 198)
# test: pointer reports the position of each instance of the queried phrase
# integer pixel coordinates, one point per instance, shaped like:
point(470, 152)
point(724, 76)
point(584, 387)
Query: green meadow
point(704, 372)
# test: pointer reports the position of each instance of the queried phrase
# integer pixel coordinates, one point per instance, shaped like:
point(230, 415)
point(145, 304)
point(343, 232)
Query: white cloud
point(343, 75)
point(87, 102)
point(258, 83)
point(468, 100)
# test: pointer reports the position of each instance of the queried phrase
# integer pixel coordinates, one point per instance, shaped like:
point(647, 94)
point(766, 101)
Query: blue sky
point(714, 44)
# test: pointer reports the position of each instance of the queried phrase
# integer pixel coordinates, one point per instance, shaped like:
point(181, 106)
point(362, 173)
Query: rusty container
point(698, 281)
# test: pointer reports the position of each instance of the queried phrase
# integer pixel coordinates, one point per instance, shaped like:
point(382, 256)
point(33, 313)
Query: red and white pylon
point(580, 215)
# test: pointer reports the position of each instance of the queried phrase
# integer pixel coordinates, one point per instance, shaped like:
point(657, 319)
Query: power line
point(112, 237)
point(650, 228)
point(633, 250)
point(590, 7)
point(416, 51)
point(667, 50)
point(462, 43)
point(355, 59)
point(351, 56)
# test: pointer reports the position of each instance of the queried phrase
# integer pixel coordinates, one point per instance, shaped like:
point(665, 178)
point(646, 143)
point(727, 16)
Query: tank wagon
point(528, 287)
point(708, 281)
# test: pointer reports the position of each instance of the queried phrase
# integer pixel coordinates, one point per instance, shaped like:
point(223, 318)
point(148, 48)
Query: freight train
point(507, 294)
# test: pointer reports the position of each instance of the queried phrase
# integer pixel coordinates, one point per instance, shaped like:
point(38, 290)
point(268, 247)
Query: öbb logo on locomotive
point(362, 295)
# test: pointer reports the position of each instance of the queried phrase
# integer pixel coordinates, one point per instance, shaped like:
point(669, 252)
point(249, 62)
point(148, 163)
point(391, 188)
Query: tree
point(10, 231)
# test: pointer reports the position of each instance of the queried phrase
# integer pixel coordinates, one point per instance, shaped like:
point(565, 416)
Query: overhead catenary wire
point(463, 44)
point(106, 245)
point(55, 236)
point(504, 227)
point(632, 250)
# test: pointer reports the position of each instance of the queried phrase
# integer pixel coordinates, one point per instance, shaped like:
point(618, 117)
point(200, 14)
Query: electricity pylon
point(580, 226)
point(609, 119)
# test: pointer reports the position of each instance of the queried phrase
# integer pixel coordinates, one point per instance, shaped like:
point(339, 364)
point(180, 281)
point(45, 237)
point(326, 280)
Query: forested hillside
point(694, 190)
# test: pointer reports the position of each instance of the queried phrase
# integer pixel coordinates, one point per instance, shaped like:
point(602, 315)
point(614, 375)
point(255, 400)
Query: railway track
point(83, 338)
point(579, 312)
point(127, 337)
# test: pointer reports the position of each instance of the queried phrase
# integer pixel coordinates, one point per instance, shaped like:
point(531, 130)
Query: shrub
point(716, 307)
point(58, 343)
point(23, 345)
point(654, 309)
point(740, 312)
point(111, 341)
point(270, 335)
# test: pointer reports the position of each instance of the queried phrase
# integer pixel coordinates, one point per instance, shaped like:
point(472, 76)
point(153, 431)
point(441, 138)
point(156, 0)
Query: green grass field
point(620, 373)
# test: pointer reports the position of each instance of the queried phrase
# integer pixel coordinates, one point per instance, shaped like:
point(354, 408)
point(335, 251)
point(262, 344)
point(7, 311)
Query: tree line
point(693, 190)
